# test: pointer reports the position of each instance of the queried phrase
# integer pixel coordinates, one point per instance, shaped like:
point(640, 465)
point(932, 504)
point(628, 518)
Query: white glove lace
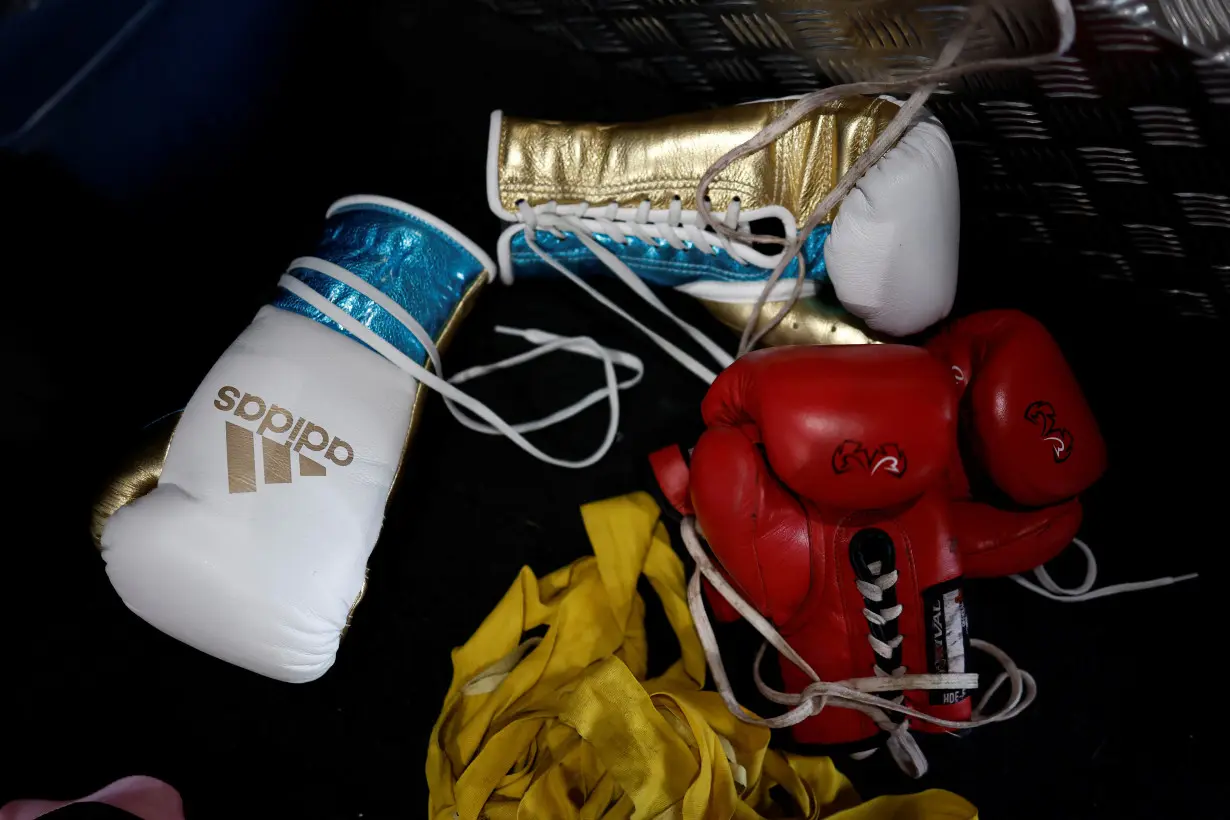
point(859, 694)
point(584, 221)
point(544, 343)
point(1085, 591)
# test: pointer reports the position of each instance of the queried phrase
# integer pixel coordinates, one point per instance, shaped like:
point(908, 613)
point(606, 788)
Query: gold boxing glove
point(579, 195)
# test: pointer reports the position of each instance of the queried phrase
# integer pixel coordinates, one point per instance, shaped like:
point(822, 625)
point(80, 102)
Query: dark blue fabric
point(146, 88)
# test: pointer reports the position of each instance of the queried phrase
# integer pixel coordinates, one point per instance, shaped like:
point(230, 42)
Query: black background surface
point(394, 99)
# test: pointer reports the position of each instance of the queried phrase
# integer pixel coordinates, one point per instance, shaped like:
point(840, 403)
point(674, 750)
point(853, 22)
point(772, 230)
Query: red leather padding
point(756, 529)
point(670, 468)
point(996, 542)
point(1024, 416)
point(854, 426)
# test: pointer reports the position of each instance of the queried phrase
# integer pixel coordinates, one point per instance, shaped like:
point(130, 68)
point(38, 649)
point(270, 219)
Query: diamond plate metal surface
point(1202, 26)
point(802, 43)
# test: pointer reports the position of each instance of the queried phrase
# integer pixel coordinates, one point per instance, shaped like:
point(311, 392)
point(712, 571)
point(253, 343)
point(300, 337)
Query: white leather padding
point(892, 253)
point(266, 578)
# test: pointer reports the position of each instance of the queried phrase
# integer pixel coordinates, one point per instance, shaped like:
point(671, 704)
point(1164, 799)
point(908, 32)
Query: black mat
point(382, 102)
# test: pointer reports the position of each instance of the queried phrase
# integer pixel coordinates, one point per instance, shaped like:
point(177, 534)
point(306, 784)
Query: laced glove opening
point(583, 221)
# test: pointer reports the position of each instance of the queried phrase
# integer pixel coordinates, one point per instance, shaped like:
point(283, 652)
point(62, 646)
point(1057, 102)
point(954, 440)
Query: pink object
point(143, 797)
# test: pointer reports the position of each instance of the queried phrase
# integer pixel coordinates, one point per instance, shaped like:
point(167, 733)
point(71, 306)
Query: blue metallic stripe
point(376, 318)
point(659, 264)
point(421, 268)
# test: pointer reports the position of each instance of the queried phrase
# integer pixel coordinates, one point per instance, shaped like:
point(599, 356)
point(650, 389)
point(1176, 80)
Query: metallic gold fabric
point(570, 725)
point(136, 476)
point(628, 163)
point(809, 322)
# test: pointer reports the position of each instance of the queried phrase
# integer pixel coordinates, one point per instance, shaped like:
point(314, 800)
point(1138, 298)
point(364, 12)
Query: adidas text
point(302, 437)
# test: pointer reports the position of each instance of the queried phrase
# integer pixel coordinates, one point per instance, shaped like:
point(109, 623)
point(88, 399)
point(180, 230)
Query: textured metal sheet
point(1202, 26)
point(704, 45)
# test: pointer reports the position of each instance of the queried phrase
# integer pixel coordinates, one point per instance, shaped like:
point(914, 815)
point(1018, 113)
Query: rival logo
point(948, 638)
point(275, 457)
point(1042, 413)
point(887, 457)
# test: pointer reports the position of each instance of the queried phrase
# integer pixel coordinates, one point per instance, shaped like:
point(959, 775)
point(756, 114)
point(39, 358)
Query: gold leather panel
point(136, 476)
point(809, 322)
point(628, 163)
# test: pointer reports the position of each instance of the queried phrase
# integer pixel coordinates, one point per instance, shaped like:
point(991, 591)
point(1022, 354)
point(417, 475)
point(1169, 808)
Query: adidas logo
point(276, 458)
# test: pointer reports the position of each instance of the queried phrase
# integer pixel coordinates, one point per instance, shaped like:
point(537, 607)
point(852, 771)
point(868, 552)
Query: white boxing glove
point(254, 542)
point(586, 198)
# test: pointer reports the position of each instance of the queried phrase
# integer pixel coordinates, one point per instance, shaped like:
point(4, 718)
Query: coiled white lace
point(853, 693)
point(454, 398)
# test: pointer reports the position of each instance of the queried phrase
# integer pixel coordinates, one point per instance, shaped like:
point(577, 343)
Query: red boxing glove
point(1027, 443)
point(821, 487)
